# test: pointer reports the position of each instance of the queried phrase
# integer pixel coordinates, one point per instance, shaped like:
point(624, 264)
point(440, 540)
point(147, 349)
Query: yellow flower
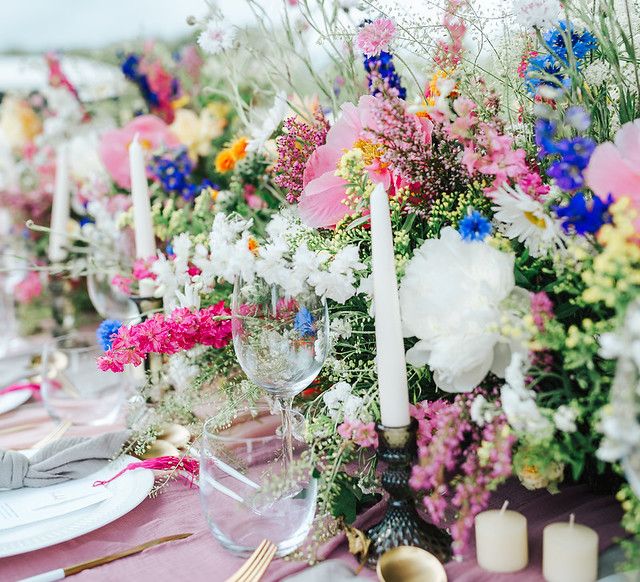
point(19, 123)
point(239, 148)
point(197, 132)
point(225, 161)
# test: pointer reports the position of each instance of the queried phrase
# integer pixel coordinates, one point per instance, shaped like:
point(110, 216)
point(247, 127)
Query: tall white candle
point(60, 210)
point(142, 220)
point(392, 369)
point(501, 540)
point(569, 552)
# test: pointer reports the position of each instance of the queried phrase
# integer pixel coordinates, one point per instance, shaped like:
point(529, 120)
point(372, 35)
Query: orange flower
point(225, 161)
point(253, 245)
point(239, 148)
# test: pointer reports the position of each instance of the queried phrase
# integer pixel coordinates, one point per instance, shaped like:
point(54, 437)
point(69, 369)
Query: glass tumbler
point(74, 388)
point(247, 490)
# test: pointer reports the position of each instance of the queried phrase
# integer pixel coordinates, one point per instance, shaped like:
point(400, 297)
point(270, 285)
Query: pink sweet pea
point(153, 134)
point(29, 288)
point(614, 168)
point(320, 204)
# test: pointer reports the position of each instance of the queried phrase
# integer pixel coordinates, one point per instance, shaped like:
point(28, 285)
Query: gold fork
point(54, 435)
point(255, 566)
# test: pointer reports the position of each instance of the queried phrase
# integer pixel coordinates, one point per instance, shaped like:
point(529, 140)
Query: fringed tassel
point(187, 468)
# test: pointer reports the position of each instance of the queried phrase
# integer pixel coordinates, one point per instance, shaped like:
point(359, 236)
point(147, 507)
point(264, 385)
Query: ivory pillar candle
point(390, 360)
point(142, 220)
point(60, 209)
point(501, 540)
point(569, 552)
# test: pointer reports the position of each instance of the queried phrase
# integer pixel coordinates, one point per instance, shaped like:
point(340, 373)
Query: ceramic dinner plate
point(13, 399)
point(127, 492)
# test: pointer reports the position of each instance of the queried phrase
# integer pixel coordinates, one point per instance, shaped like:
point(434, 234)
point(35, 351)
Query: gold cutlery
point(255, 566)
point(54, 435)
point(71, 570)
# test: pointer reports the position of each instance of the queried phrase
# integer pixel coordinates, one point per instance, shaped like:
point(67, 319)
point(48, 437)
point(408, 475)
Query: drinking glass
point(248, 493)
point(74, 388)
point(281, 341)
point(108, 301)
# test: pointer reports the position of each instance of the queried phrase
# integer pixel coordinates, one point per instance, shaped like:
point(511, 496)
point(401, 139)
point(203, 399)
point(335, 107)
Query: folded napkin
point(62, 460)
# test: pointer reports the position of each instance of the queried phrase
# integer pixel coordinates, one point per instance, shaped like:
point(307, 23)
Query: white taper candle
point(60, 209)
point(391, 365)
point(142, 220)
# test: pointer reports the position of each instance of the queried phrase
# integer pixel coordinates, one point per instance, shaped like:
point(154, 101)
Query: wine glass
point(281, 342)
point(109, 302)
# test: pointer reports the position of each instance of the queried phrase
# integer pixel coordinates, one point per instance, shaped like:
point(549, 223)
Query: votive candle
point(569, 552)
point(501, 540)
point(390, 359)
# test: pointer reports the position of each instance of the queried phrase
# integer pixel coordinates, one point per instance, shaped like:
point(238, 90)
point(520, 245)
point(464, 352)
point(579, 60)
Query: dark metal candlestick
point(401, 524)
point(62, 308)
point(153, 362)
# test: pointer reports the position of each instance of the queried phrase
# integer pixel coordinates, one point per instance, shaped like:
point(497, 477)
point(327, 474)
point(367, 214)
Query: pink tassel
point(35, 389)
point(186, 465)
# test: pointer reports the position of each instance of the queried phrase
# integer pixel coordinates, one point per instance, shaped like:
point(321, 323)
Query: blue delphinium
point(304, 323)
point(474, 227)
point(584, 217)
point(383, 65)
point(173, 171)
point(131, 69)
point(551, 63)
point(106, 332)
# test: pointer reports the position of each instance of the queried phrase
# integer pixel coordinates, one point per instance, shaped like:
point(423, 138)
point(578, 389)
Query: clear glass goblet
point(108, 301)
point(281, 342)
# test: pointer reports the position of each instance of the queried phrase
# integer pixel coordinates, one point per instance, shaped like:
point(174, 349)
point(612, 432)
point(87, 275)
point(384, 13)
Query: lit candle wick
point(504, 507)
point(572, 520)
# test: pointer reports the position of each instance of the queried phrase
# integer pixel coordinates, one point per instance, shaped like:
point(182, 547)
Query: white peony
point(450, 299)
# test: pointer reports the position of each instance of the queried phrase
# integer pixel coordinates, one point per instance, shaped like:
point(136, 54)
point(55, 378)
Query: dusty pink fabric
point(200, 557)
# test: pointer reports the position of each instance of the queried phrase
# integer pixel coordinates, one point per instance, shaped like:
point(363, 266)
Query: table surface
point(200, 558)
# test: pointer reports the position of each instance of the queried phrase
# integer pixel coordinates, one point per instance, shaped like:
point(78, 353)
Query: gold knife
point(62, 573)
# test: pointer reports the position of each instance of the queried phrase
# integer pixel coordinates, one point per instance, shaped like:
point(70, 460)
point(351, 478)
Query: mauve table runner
point(200, 558)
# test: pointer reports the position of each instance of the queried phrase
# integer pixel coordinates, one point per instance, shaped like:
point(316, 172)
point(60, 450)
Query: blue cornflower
point(383, 65)
point(474, 227)
point(304, 323)
point(584, 217)
point(582, 43)
point(169, 250)
point(106, 332)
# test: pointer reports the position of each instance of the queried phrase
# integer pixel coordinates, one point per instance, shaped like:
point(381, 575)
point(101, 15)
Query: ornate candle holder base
point(401, 524)
point(62, 309)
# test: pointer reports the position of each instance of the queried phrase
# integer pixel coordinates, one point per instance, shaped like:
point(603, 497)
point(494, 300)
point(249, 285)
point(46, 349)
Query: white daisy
point(216, 37)
point(523, 218)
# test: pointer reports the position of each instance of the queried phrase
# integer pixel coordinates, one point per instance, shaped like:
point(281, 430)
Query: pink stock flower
point(541, 309)
point(321, 202)
point(361, 433)
point(375, 37)
point(28, 289)
point(153, 134)
point(614, 168)
point(142, 268)
point(182, 330)
point(122, 283)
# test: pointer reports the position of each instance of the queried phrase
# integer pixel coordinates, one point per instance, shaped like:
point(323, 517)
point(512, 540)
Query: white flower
point(216, 37)
point(450, 300)
point(539, 13)
point(482, 411)
point(334, 397)
point(340, 328)
point(565, 419)
point(261, 132)
point(526, 219)
point(523, 414)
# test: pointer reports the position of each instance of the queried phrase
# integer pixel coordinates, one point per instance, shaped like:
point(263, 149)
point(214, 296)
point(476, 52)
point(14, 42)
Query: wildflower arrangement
point(514, 190)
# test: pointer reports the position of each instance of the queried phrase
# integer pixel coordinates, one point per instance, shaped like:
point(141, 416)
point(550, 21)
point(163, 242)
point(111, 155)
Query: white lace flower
point(216, 37)
point(450, 299)
point(334, 397)
point(538, 13)
point(482, 411)
point(523, 218)
point(565, 419)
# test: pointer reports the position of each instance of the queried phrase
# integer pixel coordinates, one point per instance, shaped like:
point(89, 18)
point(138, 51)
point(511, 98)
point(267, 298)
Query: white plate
point(128, 491)
point(12, 400)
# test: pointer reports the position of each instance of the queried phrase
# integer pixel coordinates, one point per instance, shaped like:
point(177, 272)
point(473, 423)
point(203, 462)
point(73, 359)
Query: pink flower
point(28, 289)
point(345, 430)
point(614, 168)
point(321, 201)
point(365, 435)
point(153, 134)
point(122, 283)
point(541, 309)
point(375, 37)
point(142, 268)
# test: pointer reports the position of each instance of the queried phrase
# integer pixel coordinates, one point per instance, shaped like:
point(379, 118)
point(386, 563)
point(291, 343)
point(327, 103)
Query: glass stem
point(286, 408)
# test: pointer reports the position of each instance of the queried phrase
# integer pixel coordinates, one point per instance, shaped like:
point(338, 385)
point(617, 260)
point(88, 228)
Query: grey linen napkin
point(62, 460)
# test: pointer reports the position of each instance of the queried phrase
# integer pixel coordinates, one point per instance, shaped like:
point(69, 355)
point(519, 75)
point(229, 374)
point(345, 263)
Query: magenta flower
point(122, 283)
point(29, 288)
point(375, 37)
